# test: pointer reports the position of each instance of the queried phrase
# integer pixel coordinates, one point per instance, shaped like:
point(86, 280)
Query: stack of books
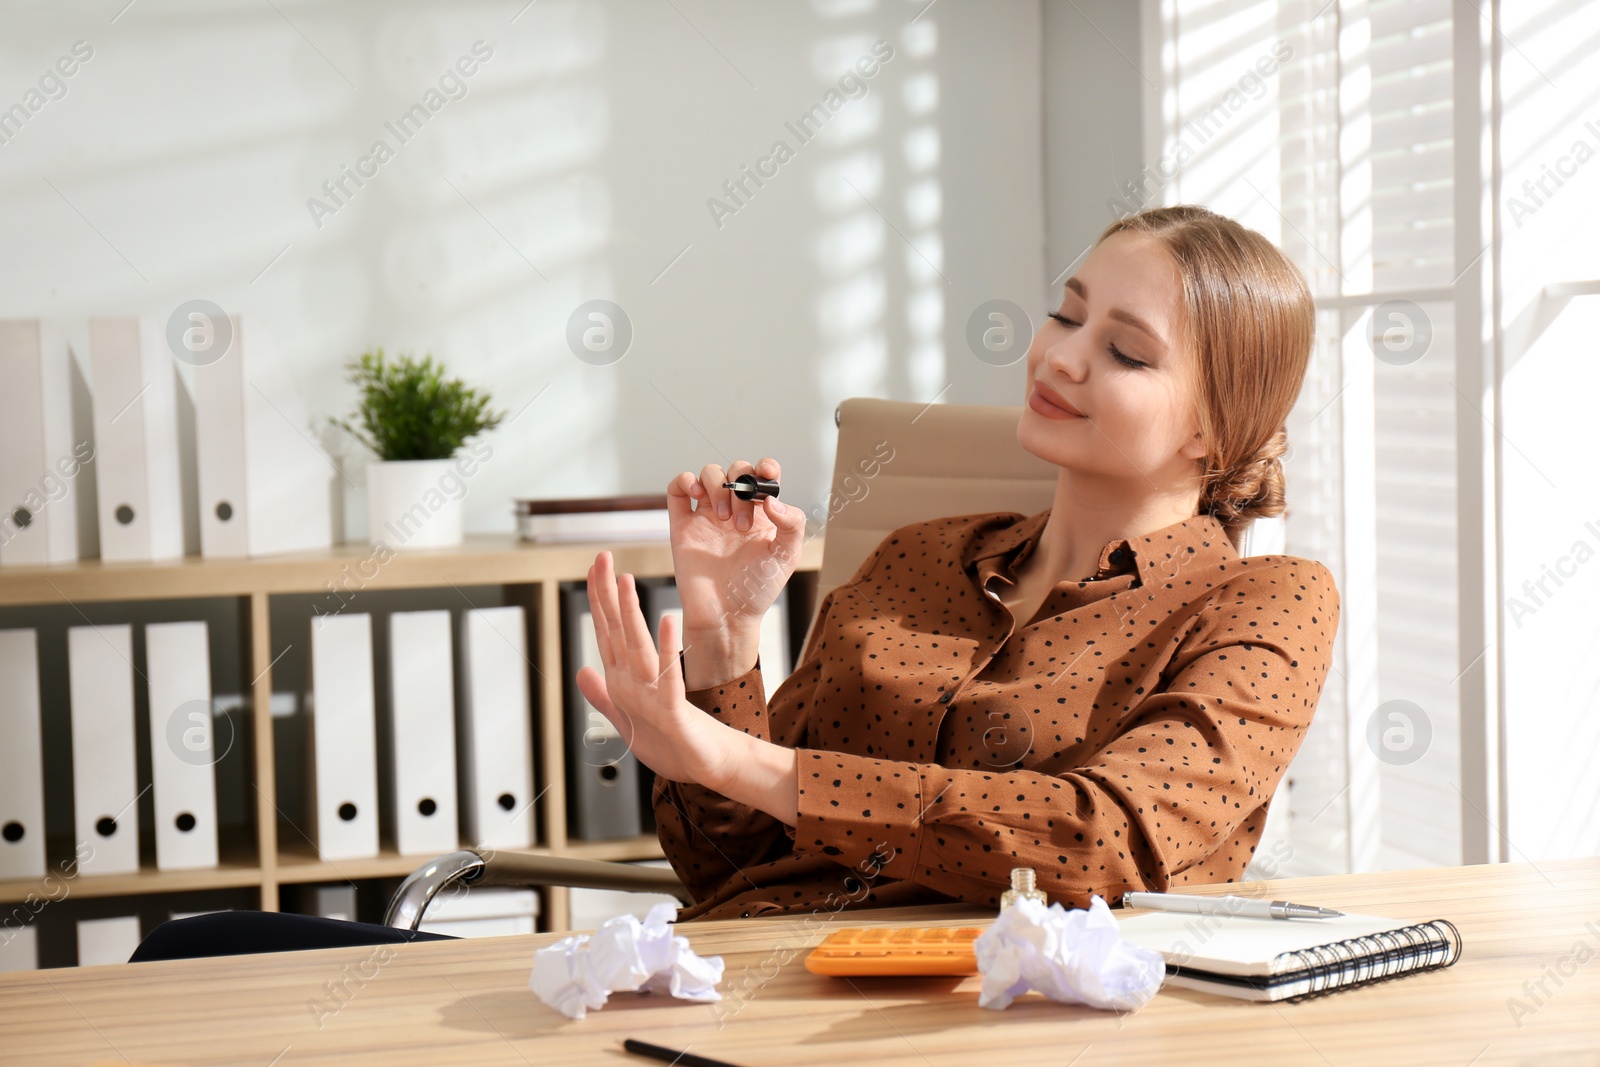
point(604, 518)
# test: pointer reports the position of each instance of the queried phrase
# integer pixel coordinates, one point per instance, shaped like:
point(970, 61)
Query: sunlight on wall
point(1551, 527)
point(1328, 129)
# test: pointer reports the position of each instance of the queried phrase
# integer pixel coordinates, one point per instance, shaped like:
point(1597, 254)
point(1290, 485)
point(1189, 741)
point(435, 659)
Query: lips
point(1055, 398)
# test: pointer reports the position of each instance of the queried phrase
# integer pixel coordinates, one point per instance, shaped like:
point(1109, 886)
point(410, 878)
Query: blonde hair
point(1248, 319)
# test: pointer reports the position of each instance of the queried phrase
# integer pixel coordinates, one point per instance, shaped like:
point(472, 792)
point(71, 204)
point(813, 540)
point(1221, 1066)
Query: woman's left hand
point(641, 690)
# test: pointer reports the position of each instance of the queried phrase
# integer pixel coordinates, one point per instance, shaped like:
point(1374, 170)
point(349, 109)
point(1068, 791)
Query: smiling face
point(1114, 351)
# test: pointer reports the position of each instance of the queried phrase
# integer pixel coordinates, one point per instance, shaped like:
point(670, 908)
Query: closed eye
point(1112, 348)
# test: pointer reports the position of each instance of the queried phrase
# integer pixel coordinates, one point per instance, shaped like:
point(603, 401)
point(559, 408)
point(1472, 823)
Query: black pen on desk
point(667, 1055)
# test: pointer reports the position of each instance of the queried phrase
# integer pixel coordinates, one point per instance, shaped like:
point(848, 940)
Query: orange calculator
point(890, 950)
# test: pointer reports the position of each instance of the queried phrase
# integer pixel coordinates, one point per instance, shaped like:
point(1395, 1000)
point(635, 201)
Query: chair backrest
point(899, 461)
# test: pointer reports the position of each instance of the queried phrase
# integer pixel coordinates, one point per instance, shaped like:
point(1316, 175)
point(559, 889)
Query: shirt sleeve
point(708, 838)
point(1193, 761)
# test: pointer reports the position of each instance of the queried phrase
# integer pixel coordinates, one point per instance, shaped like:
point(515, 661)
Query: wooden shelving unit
point(529, 574)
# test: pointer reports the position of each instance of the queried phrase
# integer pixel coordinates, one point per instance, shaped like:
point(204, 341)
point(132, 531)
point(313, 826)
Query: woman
point(1116, 715)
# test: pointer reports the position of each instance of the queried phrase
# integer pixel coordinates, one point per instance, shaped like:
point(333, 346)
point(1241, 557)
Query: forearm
point(710, 836)
point(715, 656)
point(761, 775)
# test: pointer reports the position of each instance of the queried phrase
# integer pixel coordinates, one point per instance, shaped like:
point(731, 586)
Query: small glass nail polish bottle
point(1022, 887)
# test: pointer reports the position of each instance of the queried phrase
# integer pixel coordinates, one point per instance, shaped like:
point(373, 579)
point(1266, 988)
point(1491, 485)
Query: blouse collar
point(1156, 557)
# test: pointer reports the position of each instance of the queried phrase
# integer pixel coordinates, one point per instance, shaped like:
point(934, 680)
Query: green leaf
point(407, 409)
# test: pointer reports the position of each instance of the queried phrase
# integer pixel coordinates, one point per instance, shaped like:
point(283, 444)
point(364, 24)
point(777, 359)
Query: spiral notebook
point(1279, 959)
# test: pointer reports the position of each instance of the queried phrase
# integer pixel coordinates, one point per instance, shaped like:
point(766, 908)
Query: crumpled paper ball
point(624, 955)
point(1077, 957)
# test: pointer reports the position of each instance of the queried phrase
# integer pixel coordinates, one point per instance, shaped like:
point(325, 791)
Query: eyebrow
point(1117, 313)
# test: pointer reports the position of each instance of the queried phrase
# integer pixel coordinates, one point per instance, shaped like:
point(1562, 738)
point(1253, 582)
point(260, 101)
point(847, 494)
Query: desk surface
point(1526, 989)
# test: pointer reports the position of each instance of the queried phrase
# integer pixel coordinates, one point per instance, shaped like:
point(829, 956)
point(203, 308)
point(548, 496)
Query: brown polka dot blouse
point(1129, 738)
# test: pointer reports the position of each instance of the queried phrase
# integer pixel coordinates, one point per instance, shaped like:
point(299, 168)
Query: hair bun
point(1253, 489)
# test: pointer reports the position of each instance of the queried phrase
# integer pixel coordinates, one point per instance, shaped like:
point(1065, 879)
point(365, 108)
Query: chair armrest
point(473, 868)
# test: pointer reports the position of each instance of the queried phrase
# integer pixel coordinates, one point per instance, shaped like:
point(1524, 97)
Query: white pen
point(1228, 905)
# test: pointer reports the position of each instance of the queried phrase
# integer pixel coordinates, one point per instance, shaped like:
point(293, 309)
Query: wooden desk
point(468, 1002)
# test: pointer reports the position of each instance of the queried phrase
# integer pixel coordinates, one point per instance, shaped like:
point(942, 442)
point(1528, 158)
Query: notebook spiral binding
point(1375, 957)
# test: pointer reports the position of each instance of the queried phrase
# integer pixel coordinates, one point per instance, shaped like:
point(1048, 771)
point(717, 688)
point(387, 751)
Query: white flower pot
point(410, 503)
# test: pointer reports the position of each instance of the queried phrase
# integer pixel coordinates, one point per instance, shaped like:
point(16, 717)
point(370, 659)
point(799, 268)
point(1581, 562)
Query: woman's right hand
point(727, 576)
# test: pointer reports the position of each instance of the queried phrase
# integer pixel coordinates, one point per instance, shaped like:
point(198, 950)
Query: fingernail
point(743, 523)
point(777, 505)
point(724, 510)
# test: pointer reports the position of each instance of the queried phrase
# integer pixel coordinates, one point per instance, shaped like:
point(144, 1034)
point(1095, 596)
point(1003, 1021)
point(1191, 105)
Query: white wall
point(1094, 89)
point(1550, 549)
point(180, 159)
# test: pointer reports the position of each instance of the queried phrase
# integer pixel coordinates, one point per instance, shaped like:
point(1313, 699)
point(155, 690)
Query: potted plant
point(415, 420)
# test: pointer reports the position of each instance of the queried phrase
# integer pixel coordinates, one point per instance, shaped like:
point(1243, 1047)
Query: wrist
point(714, 656)
point(760, 775)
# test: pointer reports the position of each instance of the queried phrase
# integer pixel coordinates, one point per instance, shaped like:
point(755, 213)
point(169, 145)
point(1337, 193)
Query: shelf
point(300, 864)
point(270, 855)
point(482, 559)
point(235, 871)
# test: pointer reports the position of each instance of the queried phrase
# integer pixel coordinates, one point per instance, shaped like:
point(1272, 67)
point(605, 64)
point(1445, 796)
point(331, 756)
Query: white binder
point(328, 900)
point(19, 948)
point(344, 748)
point(265, 484)
point(774, 643)
point(494, 911)
point(110, 940)
point(104, 794)
point(496, 729)
point(421, 806)
point(182, 756)
point(144, 443)
point(21, 758)
point(588, 908)
point(42, 457)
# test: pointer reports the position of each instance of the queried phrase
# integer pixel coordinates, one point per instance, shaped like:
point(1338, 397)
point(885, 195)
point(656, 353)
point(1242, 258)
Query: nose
point(1064, 354)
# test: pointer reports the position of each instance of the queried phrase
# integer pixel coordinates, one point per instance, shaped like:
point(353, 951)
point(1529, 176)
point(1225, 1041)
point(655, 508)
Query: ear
point(1194, 448)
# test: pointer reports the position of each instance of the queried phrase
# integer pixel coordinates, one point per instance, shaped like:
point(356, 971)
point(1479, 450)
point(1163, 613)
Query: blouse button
point(944, 697)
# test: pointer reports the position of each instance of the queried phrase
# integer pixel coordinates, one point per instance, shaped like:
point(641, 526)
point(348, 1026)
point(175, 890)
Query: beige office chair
point(896, 462)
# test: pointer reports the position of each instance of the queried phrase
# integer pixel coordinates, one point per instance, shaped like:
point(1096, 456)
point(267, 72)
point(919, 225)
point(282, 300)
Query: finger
point(602, 633)
point(769, 469)
point(593, 687)
point(606, 588)
point(711, 478)
point(742, 509)
point(680, 497)
point(671, 669)
point(641, 649)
